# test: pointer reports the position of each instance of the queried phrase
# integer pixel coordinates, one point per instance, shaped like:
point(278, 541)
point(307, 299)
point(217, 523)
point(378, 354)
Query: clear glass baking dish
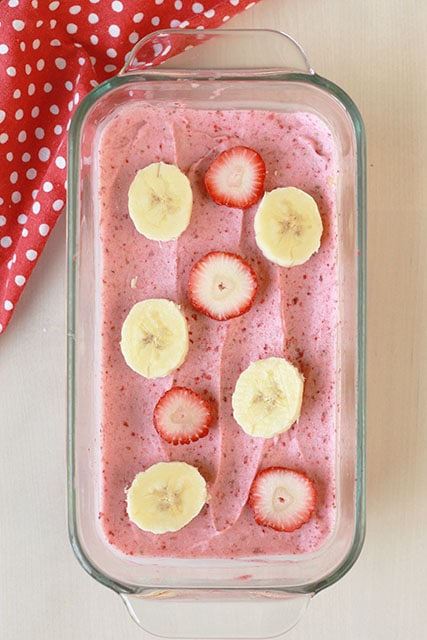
point(250, 597)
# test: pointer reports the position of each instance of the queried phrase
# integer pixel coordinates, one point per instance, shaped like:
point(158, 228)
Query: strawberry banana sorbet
point(219, 305)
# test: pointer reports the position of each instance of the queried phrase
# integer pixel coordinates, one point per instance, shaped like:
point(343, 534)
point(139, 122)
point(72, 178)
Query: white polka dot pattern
point(50, 58)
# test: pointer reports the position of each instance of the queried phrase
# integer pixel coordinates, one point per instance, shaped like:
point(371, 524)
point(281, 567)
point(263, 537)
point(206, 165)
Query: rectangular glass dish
point(269, 78)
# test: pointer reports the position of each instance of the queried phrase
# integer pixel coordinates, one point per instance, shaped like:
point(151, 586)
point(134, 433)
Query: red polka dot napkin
point(51, 55)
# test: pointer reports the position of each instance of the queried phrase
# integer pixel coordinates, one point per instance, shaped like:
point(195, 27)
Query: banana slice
point(267, 397)
point(166, 496)
point(154, 338)
point(160, 201)
point(288, 226)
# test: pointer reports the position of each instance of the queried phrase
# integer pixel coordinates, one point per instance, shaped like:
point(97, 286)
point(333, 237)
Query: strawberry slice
point(236, 177)
point(181, 416)
point(222, 285)
point(282, 499)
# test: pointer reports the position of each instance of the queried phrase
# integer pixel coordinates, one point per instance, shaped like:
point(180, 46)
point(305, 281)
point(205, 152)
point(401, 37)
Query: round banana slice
point(288, 226)
point(166, 496)
point(267, 397)
point(160, 201)
point(154, 338)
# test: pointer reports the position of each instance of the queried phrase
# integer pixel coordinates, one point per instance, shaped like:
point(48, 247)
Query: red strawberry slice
point(181, 416)
point(236, 177)
point(282, 499)
point(222, 285)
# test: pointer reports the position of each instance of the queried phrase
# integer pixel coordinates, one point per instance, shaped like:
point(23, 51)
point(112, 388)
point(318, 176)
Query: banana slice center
point(270, 397)
point(291, 225)
point(159, 339)
point(163, 203)
point(270, 394)
point(168, 499)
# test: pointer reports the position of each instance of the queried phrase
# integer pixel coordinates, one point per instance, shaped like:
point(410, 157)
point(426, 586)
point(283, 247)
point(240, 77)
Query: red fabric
point(51, 55)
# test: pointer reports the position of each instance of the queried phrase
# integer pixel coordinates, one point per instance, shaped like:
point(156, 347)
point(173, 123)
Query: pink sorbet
point(295, 315)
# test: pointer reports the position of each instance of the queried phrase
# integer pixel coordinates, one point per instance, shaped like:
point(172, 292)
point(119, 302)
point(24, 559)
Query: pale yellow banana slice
point(267, 397)
point(288, 226)
point(160, 201)
point(166, 496)
point(154, 339)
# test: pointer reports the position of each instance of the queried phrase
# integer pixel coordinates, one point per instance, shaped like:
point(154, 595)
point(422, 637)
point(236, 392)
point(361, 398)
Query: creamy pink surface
point(295, 315)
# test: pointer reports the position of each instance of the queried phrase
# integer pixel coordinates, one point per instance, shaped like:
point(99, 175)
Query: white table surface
point(376, 50)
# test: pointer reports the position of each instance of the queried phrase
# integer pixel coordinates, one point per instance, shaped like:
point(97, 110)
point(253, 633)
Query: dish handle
point(223, 49)
point(217, 615)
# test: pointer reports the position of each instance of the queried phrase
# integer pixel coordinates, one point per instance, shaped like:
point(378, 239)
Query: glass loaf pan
point(207, 597)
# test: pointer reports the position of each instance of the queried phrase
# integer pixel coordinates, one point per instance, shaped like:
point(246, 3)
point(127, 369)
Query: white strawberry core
point(282, 500)
point(284, 497)
point(183, 414)
point(236, 178)
point(224, 286)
